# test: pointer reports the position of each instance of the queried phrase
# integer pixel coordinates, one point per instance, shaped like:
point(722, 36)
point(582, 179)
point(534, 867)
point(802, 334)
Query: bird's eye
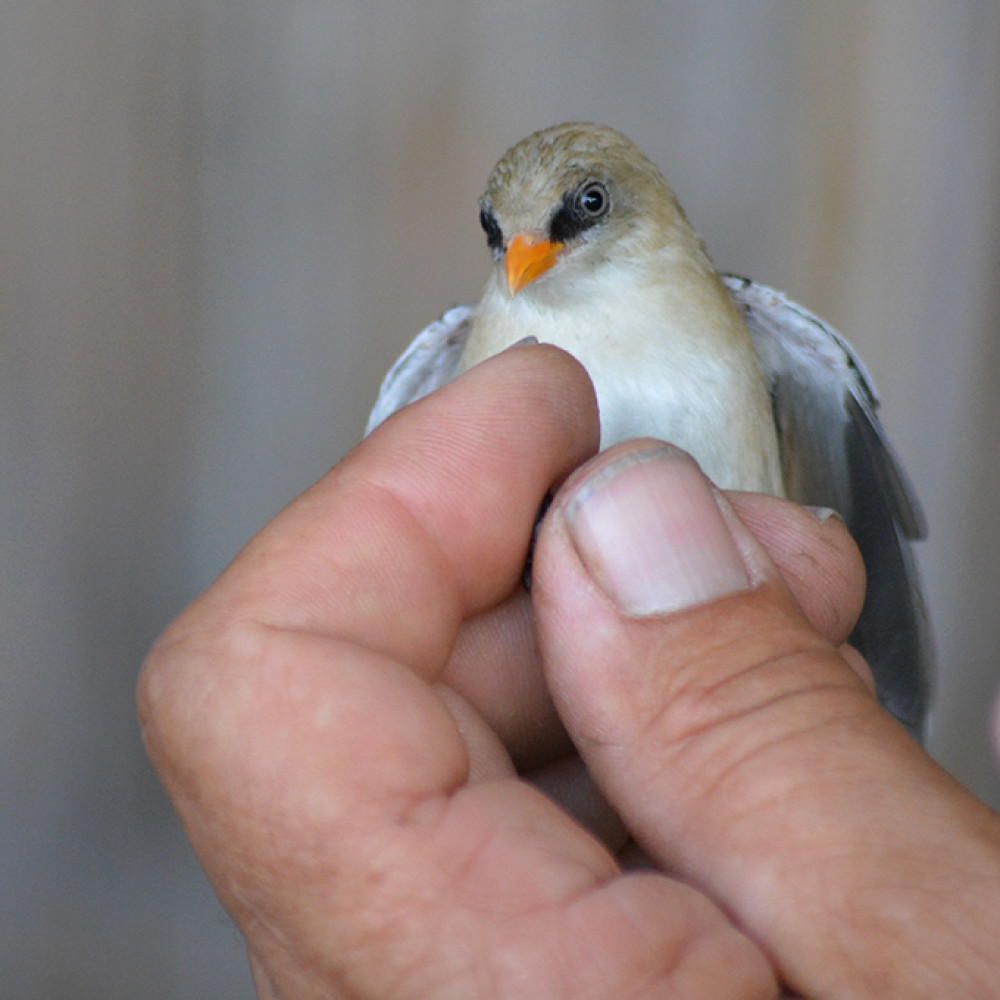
point(580, 210)
point(494, 235)
point(593, 200)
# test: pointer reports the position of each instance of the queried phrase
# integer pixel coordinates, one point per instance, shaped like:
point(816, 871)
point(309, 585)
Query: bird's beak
point(527, 259)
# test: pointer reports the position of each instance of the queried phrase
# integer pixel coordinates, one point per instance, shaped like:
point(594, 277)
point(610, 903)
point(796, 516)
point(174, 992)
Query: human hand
point(345, 718)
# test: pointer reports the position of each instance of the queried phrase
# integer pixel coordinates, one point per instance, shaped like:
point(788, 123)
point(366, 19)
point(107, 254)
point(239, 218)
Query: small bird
point(592, 252)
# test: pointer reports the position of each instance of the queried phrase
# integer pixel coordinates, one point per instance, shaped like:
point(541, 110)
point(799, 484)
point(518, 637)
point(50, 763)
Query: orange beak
point(527, 259)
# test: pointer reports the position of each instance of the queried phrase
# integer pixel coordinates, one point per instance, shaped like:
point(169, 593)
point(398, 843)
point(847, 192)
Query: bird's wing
point(836, 454)
point(429, 362)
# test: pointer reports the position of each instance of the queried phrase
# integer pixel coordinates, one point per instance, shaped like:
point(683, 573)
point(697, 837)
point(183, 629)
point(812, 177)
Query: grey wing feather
point(427, 364)
point(836, 454)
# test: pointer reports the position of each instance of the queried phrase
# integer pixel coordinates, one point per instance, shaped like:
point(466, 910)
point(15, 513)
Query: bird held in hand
point(593, 253)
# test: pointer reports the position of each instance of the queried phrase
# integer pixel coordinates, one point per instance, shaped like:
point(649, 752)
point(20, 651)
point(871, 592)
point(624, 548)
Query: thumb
point(730, 736)
point(662, 618)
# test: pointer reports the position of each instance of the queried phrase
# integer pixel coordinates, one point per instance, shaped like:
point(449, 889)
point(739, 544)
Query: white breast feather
point(660, 369)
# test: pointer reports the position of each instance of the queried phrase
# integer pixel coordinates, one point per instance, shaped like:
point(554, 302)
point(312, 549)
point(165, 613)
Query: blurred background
point(221, 221)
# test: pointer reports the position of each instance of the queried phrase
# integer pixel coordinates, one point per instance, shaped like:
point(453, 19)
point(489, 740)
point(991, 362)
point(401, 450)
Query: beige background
point(219, 223)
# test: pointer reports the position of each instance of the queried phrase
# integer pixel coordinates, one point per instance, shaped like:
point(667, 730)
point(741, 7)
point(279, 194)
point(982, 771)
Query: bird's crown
point(562, 181)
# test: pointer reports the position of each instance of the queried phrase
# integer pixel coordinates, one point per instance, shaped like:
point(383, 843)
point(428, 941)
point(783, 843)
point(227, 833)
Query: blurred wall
point(220, 222)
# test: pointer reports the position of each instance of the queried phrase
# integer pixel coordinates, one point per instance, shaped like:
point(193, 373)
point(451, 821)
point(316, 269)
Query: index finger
point(427, 521)
point(283, 709)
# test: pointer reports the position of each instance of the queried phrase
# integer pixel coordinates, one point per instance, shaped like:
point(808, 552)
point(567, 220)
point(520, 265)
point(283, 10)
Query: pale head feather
point(530, 180)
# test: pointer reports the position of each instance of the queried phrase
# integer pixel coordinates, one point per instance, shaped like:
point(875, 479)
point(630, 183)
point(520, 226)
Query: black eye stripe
point(494, 235)
point(580, 209)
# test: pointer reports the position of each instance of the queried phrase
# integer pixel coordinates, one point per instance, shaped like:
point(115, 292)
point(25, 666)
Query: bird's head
point(575, 199)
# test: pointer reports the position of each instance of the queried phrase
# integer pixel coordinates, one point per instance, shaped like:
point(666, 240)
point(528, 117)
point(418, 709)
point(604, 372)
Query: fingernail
point(649, 530)
point(526, 342)
point(824, 514)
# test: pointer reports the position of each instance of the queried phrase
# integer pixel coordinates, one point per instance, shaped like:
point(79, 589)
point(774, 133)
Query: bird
point(591, 251)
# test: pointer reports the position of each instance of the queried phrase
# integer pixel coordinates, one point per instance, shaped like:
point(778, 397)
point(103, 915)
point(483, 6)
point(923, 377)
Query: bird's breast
point(668, 370)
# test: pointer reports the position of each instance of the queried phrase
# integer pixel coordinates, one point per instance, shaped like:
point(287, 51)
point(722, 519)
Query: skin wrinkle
point(461, 876)
point(488, 756)
point(749, 678)
point(443, 551)
point(689, 689)
point(299, 612)
point(849, 895)
point(388, 922)
point(708, 780)
point(433, 556)
point(729, 775)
